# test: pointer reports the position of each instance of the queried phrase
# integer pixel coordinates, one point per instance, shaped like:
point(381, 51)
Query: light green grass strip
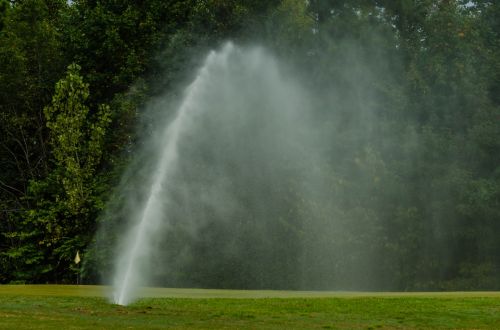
point(105, 291)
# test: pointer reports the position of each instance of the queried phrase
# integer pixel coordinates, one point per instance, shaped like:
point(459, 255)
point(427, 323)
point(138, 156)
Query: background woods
point(412, 88)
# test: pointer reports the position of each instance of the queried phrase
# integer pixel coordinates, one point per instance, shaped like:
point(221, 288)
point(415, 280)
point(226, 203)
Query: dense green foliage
point(424, 181)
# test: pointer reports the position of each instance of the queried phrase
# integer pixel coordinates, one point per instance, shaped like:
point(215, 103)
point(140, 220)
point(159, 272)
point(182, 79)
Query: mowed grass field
point(82, 307)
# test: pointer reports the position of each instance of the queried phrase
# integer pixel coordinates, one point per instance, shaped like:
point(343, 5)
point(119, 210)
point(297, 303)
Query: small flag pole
point(77, 262)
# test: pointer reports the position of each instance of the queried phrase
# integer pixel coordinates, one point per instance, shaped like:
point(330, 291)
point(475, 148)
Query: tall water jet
point(239, 156)
point(129, 273)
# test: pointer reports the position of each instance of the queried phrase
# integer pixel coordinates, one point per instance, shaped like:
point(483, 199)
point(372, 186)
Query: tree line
point(74, 77)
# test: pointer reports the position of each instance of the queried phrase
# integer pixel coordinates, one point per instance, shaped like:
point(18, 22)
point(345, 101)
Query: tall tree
point(30, 64)
point(64, 203)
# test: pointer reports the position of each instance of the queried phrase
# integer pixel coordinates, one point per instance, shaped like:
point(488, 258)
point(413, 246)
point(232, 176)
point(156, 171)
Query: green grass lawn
point(73, 307)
